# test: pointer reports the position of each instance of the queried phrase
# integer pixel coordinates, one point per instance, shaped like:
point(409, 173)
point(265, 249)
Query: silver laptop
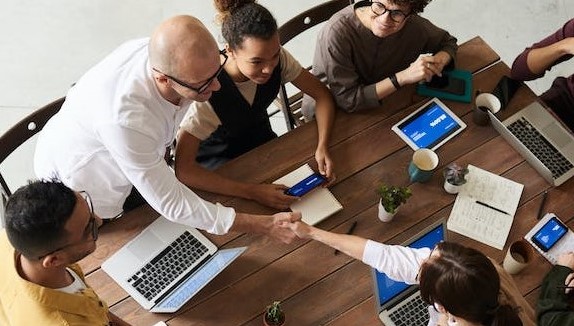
point(542, 140)
point(167, 264)
point(398, 303)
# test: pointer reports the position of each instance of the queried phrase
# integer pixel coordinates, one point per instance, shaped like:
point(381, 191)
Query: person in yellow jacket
point(49, 227)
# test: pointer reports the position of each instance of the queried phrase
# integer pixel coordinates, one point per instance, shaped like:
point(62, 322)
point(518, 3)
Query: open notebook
point(316, 205)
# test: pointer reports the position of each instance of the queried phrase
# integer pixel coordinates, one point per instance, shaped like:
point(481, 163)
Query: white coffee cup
point(517, 257)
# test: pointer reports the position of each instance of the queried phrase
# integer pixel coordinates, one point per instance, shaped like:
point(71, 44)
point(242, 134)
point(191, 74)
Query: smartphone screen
point(306, 185)
point(549, 234)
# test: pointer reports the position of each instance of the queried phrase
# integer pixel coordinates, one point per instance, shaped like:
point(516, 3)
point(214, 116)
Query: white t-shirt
point(201, 120)
point(111, 133)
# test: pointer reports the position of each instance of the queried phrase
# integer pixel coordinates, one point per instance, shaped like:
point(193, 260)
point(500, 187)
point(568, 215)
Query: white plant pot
point(385, 216)
point(450, 188)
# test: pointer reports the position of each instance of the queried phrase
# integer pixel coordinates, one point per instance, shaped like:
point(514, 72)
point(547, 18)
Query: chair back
point(291, 105)
point(21, 132)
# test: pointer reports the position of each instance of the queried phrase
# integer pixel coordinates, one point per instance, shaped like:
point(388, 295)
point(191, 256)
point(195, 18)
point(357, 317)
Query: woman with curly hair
point(235, 119)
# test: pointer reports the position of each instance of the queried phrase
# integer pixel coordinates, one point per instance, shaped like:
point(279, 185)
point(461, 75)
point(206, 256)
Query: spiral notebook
point(314, 206)
point(564, 244)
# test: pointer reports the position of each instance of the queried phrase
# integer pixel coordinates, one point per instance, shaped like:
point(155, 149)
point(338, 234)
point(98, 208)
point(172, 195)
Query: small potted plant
point(274, 315)
point(454, 178)
point(391, 198)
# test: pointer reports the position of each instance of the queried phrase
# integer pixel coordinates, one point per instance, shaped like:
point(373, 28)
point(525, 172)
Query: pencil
point(350, 231)
point(491, 207)
point(542, 203)
point(564, 287)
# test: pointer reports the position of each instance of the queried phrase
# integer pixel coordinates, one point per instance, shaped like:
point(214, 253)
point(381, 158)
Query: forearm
point(540, 59)
point(325, 116)
point(351, 245)
point(251, 223)
point(195, 176)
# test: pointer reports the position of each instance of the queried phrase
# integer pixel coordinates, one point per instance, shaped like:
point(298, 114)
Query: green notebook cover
point(461, 75)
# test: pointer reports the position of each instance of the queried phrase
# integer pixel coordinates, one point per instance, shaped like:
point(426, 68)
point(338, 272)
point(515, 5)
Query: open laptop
point(398, 303)
point(167, 264)
point(541, 139)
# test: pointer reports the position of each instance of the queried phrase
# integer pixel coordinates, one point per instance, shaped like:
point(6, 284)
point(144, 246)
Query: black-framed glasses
point(90, 230)
point(396, 15)
point(203, 86)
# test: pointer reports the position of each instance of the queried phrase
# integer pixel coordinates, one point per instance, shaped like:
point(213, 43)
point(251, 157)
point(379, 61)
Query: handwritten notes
point(484, 208)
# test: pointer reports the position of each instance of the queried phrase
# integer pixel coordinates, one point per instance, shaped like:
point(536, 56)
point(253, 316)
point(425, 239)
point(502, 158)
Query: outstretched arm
point(325, 115)
point(195, 176)
point(540, 59)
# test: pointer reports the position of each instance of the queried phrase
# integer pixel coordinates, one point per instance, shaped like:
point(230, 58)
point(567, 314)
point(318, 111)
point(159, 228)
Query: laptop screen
point(388, 289)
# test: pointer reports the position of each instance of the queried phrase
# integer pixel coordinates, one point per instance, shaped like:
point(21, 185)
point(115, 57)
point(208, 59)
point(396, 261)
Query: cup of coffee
point(422, 165)
point(517, 257)
point(482, 103)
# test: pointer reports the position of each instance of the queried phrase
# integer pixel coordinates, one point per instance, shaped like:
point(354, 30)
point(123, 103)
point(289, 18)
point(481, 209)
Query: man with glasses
point(370, 49)
point(111, 134)
point(49, 228)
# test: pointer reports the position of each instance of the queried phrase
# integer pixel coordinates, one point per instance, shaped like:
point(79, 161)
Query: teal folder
point(463, 75)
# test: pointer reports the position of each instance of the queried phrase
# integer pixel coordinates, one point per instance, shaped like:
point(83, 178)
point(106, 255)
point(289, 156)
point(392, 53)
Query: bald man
point(113, 129)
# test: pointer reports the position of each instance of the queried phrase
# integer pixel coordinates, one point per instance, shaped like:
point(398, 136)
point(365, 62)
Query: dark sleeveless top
point(243, 126)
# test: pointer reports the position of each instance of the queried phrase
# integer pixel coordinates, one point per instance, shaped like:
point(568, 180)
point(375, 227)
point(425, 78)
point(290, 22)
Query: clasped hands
point(424, 68)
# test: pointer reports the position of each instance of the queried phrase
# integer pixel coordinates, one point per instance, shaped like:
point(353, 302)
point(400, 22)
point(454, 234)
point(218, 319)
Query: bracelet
point(394, 81)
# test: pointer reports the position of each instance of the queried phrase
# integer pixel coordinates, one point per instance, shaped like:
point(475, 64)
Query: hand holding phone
point(306, 185)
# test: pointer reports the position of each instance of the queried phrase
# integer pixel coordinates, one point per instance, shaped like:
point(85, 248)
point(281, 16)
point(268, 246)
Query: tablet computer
point(430, 126)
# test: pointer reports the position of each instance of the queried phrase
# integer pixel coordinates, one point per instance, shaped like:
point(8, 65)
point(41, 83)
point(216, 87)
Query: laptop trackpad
point(556, 135)
point(145, 246)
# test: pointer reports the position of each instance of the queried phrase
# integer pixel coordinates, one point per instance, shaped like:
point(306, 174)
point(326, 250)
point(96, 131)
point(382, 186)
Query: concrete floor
point(47, 45)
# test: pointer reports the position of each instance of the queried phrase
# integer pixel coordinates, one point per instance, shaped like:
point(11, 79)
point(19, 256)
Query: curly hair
point(36, 215)
point(415, 6)
point(244, 18)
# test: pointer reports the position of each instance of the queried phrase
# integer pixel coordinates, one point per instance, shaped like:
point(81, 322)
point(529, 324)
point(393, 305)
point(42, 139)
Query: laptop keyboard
point(167, 265)
point(540, 147)
point(412, 313)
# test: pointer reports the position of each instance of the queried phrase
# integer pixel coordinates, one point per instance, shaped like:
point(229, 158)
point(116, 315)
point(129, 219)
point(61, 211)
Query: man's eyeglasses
point(203, 86)
point(90, 230)
point(396, 15)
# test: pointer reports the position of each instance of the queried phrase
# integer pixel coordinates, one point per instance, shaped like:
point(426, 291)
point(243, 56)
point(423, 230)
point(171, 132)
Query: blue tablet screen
point(429, 126)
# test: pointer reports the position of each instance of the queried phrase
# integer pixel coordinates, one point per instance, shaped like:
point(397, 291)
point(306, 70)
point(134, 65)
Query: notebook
point(314, 206)
point(167, 264)
point(398, 303)
point(542, 140)
point(551, 237)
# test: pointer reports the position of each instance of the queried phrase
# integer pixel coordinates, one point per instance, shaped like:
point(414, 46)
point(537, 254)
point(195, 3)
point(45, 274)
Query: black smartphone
point(549, 234)
point(447, 84)
point(304, 186)
point(505, 90)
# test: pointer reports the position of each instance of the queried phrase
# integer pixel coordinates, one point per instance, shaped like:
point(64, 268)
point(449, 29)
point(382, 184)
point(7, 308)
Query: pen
point(350, 231)
point(541, 209)
point(564, 287)
point(491, 207)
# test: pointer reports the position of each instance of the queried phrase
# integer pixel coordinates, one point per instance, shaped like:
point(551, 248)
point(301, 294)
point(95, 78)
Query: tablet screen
point(430, 126)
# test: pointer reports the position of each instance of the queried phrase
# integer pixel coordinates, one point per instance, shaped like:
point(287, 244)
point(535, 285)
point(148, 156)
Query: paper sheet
point(316, 205)
point(485, 224)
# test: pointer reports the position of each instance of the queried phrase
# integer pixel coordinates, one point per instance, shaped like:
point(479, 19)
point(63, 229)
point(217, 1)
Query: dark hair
point(244, 18)
point(36, 215)
point(465, 282)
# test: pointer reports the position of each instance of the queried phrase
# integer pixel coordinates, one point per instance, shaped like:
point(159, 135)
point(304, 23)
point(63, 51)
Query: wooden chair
point(291, 105)
point(20, 133)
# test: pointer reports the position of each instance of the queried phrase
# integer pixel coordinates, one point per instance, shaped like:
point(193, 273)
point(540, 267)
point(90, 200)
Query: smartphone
point(447, 84)
point(505, 90)
point(549, 234)
point(304, 186)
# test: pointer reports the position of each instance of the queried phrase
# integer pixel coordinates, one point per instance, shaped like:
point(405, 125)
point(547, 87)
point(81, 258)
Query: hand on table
point(424, 68)
point(567, 260)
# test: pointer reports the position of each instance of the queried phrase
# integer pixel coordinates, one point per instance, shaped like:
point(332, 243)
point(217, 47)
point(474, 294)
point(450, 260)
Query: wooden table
point(316, 286)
